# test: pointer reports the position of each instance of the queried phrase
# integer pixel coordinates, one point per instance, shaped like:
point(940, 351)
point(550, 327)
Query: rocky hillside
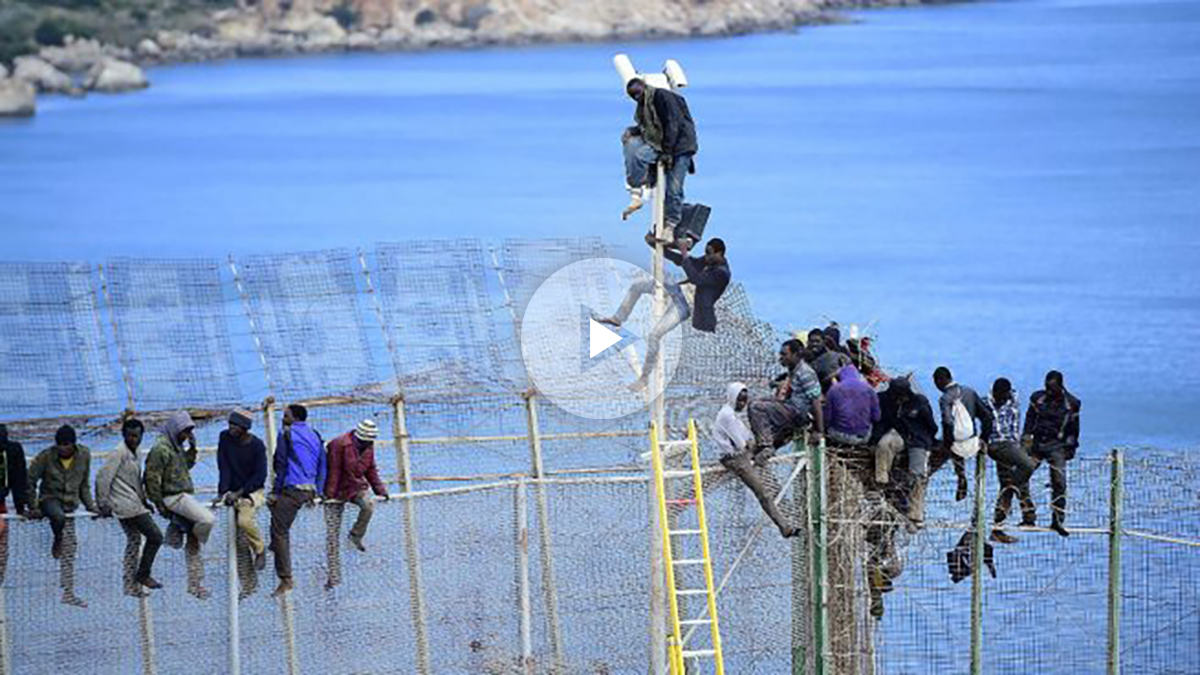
point(73, 46)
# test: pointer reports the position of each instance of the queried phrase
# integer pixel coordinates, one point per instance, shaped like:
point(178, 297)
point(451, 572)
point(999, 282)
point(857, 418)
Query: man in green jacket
point(58, 478)
point(169, 487)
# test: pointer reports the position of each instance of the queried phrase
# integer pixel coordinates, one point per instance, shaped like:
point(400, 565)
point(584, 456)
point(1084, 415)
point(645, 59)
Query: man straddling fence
point(120, 492)
point(960, 406)
point(242, 468)
point(906, 425)
point(15, 479)
point(353, 474)
point(820, 352)
point(708, 274)
point(795, 406)
point(1052, 435)
point(851, 409)
point(58, 479)
point(664, 132)
point(1014, 466)
point(739, 452)
point(299, 477)
point(169, 487)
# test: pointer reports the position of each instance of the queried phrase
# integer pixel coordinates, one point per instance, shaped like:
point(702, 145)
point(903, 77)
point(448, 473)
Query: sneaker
point(200, 592)
point(1003, 537)
point(358, 543)
point(635, 203)
point(74, 600)
point(174, 537)
point(285, 586)
point(56, 549)
point(1029, 522)
point(260, 561)
point(1058, 527)
point(135, 591)
point(149, 582)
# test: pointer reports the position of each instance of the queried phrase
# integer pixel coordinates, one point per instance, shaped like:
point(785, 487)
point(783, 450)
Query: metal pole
point(545, 543)
point(1115, 516)
point(5, 645)
point(146, 623)
point(817, 547)
point(412, 552)
point(977, 566)
point(289, 632)
point(799, 595)
point(521, 508)
point(235, 651)
point(658, 591)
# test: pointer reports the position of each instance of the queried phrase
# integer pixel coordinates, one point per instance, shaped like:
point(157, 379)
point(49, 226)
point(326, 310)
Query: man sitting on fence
point(352, 476)
point(851, 408)
point(821, 353)
point(905, 423)
point(664, 132)
point(738, 452)
point(120, 492)
point(299, 476)
point(709, 274)
point(58, 479)
point(1014, 466)
point(1052, 435)
point(15, 479)
point(169, 486)
point(242, 464)
point(960, 407)
point(795, 406)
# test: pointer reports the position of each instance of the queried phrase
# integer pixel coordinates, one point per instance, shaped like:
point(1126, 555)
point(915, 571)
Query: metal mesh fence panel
point(53, 349)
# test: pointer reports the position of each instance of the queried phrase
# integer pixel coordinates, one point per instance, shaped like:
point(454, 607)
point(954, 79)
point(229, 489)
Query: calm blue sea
point(1001, 187)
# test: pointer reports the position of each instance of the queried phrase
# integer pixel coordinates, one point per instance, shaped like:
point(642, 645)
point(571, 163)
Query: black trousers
point(283, 514)
point(1055, 453)
point(136, 529)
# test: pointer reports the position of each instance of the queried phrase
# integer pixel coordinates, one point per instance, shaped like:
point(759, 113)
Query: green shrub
point(49, 33)
point(345, 15)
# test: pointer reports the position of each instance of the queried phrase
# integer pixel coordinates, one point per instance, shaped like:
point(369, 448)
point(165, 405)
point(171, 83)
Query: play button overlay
point(582, 363)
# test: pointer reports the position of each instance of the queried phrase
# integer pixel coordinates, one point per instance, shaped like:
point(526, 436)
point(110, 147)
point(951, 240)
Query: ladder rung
point(681, 501)
point(683, 532)
point(693, 591)
point(670, 444)
point(677, 474)
point(690, 561)
point(695, 622)
point(698, 653)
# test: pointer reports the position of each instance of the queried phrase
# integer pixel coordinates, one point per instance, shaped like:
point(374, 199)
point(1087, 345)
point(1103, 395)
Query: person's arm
point(191, 453)
point(334, 466)
point(1031, 416)
point(104, 482)
point(876, 411)
point(818, 414)
point(283, 445)
point(153, 479)
point(946, 405)
point(258, 479)
point(1071, 428)
point(18, 477)
point(373, 475)
point(85, 489)
point(668, 117)
point(925, 418)
point(987, 421)
point(322, 468)
point(703, 277)
point(37, 469)
point(673, 255)
point(224, 470)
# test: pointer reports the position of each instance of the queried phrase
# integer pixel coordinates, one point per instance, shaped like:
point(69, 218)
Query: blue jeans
point(677, 311)
point(639, 162)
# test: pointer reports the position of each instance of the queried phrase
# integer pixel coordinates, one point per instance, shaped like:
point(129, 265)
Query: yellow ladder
point(677, 650)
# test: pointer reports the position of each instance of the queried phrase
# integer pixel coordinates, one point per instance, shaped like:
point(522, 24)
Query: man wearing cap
point(299, 476)
point(58, 478)
point(169, 487)
point(352, 472)
point(242, 464)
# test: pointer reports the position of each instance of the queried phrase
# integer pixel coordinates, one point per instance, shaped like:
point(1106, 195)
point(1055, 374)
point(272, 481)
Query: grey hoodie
point(119, 488)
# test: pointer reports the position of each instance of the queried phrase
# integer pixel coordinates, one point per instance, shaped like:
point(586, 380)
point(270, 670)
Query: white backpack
point(966, 442)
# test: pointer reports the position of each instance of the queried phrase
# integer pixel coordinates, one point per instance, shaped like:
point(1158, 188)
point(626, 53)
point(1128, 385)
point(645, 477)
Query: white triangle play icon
point(600, 338)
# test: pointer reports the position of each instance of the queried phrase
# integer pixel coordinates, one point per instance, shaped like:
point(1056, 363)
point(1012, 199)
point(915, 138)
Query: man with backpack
point(960, 407)
point(1052, 435)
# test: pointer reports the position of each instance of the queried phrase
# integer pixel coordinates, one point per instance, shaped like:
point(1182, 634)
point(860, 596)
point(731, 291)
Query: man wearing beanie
point(352, 472)
point(242, 463)
point(58, 478)
point(169, 487)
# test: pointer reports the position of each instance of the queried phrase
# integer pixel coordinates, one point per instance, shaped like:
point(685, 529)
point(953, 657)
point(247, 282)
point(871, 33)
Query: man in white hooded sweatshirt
point(739, 454)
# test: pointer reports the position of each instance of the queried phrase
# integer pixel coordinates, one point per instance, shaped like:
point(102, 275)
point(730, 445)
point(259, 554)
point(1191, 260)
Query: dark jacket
point(241, 467)
point(710, 282)
point(168, 471)
point(668, 128)
point(13, 476)
point(1049, 420)
point(974, 406)
point(49, 479)
point(351, 471)
point(913, 420)
point(299, 460)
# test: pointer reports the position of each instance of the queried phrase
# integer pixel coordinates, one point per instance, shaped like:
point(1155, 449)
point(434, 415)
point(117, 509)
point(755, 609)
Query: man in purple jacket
point(299, 477)
point(851, 409)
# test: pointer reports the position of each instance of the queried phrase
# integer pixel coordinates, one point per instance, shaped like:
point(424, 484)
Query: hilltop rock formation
point(112, 76)
point(18, 98)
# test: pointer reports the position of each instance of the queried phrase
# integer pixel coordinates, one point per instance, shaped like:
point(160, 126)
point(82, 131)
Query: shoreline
point(81, 66)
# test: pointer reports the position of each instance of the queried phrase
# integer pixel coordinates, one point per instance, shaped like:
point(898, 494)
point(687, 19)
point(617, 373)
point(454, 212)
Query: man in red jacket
point(352, 474)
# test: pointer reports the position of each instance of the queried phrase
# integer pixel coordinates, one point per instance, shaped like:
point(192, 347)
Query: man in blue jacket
point(709, 274)
point(299, 478)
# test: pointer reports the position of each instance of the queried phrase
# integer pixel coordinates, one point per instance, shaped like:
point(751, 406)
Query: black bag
point(695, 219)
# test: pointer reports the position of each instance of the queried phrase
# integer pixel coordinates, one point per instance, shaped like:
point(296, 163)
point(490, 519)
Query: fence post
point(1115, 516)
point(5, 645)
point(235, 647)
point(800, 596)
point(412, 552)
point(521, 509)
point(817, 554)
point(977, 525)
point(146, 623)
point(545, 544)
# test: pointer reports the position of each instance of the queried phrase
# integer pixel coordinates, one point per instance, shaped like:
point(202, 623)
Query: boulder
point(149, 49)
point(76, 55)
point(45, 77)
point(114, 76)
point(3, 71)
point(18, 98)
point(313, 27)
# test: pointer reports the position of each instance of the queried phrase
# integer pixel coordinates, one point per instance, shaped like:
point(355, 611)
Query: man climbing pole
point(663, 132)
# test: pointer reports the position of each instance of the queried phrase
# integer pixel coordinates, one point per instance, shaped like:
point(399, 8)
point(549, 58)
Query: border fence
point(518, 537)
